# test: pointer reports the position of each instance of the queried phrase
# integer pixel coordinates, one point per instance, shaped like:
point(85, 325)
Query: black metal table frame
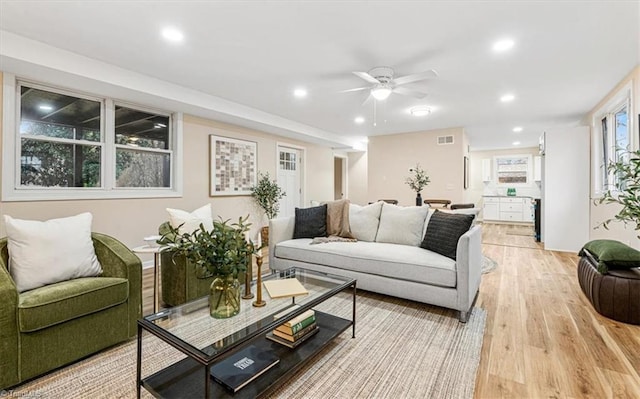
point(208, 361)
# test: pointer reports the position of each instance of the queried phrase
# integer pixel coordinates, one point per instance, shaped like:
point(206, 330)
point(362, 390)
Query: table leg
point(156, 282)
point(353, 330)
point(139, 365)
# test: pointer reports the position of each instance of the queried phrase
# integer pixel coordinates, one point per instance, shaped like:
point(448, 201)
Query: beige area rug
point(488, 264)
point(402, 349)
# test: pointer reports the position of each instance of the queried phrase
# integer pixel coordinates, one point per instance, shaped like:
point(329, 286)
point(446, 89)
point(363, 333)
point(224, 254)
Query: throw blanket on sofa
point(324, 240)
point(338, 219)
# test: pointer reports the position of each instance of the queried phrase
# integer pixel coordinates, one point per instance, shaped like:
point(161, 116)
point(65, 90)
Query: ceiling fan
point(383, 82)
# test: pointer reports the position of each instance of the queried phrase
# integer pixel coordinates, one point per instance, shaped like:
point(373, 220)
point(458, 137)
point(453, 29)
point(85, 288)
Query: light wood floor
point(542, 339)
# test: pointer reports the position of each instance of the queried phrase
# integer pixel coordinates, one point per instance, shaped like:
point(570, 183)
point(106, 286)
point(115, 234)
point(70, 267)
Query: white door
point(289, 179)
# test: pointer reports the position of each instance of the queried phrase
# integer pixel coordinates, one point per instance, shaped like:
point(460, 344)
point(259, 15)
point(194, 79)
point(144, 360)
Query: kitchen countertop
point(509, 196)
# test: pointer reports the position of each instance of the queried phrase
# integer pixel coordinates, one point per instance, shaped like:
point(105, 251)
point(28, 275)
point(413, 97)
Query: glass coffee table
point(190, 329)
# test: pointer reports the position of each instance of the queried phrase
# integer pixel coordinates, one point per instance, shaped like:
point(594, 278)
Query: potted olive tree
point(222, 252)
point(627, 171)
point(267, 195)
point(417, 182)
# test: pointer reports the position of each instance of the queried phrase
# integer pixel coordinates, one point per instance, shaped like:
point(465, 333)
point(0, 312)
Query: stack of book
point(295, 331)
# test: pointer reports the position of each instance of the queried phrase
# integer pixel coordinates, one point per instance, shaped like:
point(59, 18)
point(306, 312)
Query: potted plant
point(223, 252)
point(627, 170)
point(418, 181)
point(267, 195)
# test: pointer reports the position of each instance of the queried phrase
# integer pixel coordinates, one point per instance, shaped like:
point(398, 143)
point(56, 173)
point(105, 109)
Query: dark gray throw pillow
point(444, 231)
point(311, 222)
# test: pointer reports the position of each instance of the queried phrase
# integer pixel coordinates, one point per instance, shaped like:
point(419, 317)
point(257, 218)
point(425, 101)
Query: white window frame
point(623, 98)
point(13, 191)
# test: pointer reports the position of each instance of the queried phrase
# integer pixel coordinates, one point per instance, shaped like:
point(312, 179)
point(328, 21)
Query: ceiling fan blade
point(357, 89)
point(367, 100)
point(367, 77)
point(402, 80)
point(410, 93)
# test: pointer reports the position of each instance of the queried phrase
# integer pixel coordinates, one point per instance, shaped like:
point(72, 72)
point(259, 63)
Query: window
point(72, 146)
point(513, 170)
point(616, 143)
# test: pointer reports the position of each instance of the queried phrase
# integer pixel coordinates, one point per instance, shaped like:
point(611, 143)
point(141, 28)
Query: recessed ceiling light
point(507, 98)
point(420, 111)
point(359, 120)
point(45, 107)
point(516, 143)
point(159, 125)
point(503, 45)
point(172, 35)
point(517, 129)
point(300, 92)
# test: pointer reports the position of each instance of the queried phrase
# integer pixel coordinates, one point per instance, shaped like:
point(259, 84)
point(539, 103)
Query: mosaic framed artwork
point(233, 166)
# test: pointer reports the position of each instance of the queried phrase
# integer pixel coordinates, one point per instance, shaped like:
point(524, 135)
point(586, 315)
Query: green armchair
point(48, 327)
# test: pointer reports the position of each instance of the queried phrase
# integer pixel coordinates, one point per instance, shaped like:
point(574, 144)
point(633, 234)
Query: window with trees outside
point(70, 143)
point(616, 143)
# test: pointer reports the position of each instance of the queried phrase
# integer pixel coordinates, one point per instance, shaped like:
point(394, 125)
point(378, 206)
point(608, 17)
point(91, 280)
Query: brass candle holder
point(247, 285)
point(259, 302)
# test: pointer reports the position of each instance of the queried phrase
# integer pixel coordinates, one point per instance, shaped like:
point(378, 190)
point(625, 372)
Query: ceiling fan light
point(381, 93)
point(420, 111)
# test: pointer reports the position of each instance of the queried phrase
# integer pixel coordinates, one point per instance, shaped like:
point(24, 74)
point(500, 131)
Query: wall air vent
point(445, 140)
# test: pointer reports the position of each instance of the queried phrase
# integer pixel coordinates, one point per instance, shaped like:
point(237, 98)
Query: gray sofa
point(405, 271)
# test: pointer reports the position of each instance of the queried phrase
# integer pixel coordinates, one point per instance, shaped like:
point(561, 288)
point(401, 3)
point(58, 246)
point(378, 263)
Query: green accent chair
point(180, 280)
point(51, 326)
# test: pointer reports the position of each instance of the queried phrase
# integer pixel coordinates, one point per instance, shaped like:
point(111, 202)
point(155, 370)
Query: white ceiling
point(567, 56)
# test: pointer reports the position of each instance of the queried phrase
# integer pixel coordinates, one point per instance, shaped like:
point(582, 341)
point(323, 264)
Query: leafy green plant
point(267, 194)
point(419, 180)
point(627, 170)
point(223, 251)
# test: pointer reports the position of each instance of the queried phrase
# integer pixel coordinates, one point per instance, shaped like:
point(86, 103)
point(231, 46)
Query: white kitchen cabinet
point(490, 208)
point(507, 209)
point(537, 168)
point(486, 170)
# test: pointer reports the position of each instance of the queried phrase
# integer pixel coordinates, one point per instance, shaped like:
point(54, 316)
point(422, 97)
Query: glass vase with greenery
point(627, 172)
point(417, 182)
point(224, 252)
point(267, 195)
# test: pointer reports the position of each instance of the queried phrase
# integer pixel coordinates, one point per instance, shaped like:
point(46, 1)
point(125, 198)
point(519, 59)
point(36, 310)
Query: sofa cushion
point(444, 230)
point(612, 254)
point(311, 222)
point(364, 221)
point(57, 303)
point(402, 262)
point(47, 252)
point(187, 222)
point(401, 224)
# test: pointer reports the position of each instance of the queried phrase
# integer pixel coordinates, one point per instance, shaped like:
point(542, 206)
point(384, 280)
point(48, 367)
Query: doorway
point(339, 177)
point(290, 179)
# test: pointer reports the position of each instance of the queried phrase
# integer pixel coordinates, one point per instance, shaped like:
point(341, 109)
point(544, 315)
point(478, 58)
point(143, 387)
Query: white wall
point(565, 189)
point(391, 156)
point(357, 177)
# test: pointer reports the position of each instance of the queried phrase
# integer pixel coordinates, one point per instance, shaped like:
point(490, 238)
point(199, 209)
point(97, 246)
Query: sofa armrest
point(8, 323)
point(119, 261)
point(280, 229)
point(469, 267)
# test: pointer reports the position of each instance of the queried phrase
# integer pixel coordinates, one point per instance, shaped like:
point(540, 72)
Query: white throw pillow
point(42, 253)
point(191, 221)
point(402, 225)
point(364, 221)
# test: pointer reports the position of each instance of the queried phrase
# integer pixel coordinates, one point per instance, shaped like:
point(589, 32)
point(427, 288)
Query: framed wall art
point(232, 165)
